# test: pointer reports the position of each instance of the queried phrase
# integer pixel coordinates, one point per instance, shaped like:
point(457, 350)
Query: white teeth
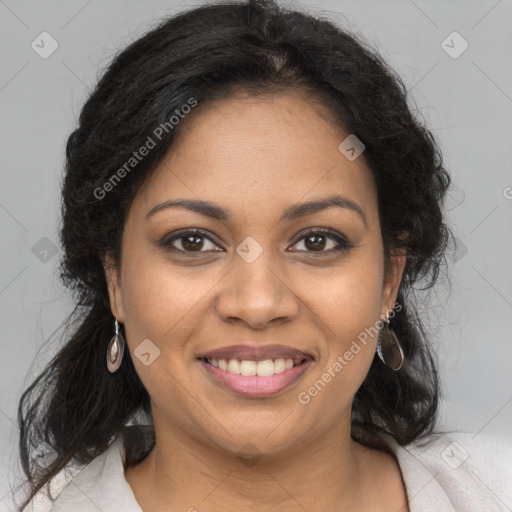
point(279, 366)
point(234, 366)
point(266, 368)
point(250, 368)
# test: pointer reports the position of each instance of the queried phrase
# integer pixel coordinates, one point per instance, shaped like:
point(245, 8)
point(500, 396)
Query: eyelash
point(343, 244)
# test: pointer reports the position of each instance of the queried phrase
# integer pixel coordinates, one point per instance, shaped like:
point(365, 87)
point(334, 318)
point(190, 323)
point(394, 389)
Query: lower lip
point(255, 386)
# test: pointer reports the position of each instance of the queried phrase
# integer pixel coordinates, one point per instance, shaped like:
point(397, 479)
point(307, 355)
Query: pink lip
point(256, 352)
point(256, 386)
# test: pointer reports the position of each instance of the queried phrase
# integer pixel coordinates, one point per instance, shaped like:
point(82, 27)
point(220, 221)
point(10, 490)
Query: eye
point(191, 240)
point(317, 239)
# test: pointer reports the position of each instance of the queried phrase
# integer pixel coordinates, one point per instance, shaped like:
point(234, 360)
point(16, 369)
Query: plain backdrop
point(466, 99)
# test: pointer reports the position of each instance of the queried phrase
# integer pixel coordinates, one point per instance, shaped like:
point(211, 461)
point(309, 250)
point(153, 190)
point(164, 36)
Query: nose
point(256, 293)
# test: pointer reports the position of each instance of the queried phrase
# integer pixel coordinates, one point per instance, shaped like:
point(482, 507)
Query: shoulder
point(99, 485)
point(470, 472)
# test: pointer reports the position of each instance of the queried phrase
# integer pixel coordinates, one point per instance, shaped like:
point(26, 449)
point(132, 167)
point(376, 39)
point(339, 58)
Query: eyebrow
point(293, 212)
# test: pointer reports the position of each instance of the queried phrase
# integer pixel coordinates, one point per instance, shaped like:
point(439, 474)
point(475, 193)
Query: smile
point(256, 378)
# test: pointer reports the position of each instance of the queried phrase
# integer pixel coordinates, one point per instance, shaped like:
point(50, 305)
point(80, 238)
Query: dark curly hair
point(209, 52)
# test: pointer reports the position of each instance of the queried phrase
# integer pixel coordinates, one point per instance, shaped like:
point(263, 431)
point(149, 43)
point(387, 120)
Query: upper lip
point(256, 353)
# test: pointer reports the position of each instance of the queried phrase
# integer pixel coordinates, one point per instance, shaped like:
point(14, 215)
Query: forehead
point(263, 151)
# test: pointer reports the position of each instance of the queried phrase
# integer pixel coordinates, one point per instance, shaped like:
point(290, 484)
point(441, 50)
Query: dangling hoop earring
point(115, 350)
point(389, 349)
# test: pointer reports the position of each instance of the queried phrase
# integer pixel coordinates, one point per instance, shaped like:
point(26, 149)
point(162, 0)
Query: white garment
point(460, 472)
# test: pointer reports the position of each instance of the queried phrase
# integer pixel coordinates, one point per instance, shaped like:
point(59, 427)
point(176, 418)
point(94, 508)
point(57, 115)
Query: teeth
point(279, 365)
point(250, 368)
point(234, 366)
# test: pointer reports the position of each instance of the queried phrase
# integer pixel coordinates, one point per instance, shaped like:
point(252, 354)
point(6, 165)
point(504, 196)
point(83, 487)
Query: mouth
point(249, 368)
point(256, 379)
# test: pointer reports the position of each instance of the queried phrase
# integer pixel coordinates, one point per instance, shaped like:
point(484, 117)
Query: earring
point(115, 350)
point(389, 348)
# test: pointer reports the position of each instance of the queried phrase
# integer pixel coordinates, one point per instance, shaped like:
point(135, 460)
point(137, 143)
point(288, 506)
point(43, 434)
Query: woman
point(248, 206)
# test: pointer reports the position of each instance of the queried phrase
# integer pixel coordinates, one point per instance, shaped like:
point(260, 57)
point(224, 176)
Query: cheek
point(348, 304)
point(159, 300)
point(349, 299)
point(157, 297)
point(160, 305)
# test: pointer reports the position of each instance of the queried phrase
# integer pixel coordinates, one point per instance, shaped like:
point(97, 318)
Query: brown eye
point(315, 242)
point(192, 242)
point(189, 241)
point(322, 241)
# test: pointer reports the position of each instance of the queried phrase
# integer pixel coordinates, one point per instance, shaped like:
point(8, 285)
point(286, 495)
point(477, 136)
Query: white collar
point(424, 492)
point(101, 484)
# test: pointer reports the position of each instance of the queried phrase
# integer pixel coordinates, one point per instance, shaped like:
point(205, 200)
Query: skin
point(256, 157)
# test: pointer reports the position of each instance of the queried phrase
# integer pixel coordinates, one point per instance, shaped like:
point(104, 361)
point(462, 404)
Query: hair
point(203, 54)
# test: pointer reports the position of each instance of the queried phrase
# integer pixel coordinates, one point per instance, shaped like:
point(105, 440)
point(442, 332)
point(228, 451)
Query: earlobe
point(114, 289)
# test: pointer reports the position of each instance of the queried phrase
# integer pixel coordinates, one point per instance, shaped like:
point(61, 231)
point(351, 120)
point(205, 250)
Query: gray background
point(467, 101)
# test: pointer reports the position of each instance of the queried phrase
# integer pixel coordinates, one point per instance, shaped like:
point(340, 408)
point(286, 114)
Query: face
point(312, 280)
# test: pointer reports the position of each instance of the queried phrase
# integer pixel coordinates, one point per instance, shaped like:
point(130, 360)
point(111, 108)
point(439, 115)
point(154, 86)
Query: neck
point(184, 473)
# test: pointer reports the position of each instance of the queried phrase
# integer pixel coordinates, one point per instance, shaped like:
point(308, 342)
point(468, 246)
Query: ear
point(392, 281)
point(114, 288)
